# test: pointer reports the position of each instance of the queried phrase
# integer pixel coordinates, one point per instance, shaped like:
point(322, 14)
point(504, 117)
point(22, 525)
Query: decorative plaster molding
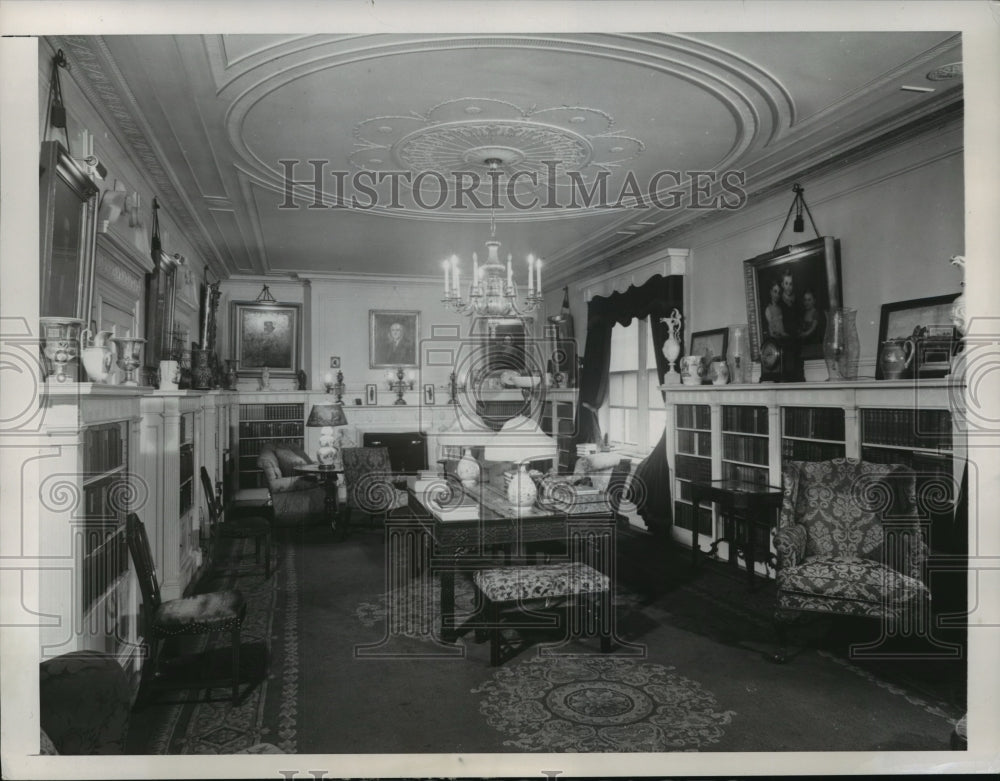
point(107, 90)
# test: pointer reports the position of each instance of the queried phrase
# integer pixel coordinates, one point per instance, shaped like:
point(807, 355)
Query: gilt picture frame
point(807, 278)
point(393, 338)
point(267, 335)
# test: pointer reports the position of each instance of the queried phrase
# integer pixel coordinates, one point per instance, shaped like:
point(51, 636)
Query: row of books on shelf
point(803, 450)
point(694, 416)
point(743, 448)
point(103, 564)
point(932, 463)
point(287, 429)
point(271, 411)
point(930, 428)
point(104, 447)
point(693, 468)
point(697, 443)
point(103, 500)
point(684, 517)
point(748, 420)
point(814, 422)
point(747, 474)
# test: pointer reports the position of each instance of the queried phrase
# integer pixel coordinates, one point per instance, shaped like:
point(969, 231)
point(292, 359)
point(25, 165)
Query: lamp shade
point(327, 415)
point(520, 440)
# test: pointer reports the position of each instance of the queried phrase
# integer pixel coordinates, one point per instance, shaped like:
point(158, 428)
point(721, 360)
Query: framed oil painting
point(393, 337)
point(789, 292)
point(68, 217)
point(266, 335)
point(928, 323)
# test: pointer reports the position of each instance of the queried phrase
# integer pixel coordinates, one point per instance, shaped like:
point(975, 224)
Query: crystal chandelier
point(492, 291)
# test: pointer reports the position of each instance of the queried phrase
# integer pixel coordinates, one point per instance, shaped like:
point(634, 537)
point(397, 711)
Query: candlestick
point(531, 274)
point(458, 284)
point(510, 272)
point(538, 277)
point(475, 269)
point(447, 286)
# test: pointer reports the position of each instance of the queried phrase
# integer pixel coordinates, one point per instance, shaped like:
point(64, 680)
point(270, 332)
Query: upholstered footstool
point(505, 587)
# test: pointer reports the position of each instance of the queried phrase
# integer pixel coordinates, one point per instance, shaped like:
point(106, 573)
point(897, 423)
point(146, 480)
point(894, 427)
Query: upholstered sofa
point(296, 499)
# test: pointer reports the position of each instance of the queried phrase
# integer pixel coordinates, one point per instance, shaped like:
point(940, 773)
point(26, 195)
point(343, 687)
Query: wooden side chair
point(256, 527)
point(216, 611)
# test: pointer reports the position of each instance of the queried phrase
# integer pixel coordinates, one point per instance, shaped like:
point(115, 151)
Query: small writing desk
point(748, 514)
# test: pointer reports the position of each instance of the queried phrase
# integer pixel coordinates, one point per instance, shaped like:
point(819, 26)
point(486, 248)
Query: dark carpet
point(353, 666)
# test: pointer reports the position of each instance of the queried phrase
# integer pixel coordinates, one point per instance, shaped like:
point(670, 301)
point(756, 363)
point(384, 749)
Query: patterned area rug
point(196, 722)
point(600, 704)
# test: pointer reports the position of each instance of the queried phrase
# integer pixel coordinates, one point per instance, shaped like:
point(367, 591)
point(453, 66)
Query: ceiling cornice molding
point(105, 88)
point(943, 115)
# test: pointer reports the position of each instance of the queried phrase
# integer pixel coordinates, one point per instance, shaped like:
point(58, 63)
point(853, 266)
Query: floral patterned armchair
point(849, 542)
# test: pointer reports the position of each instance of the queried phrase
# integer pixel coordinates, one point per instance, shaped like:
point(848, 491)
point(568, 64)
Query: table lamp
point(325, 417)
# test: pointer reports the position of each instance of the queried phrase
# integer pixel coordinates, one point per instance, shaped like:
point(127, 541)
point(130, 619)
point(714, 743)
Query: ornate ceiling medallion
point(532, 150)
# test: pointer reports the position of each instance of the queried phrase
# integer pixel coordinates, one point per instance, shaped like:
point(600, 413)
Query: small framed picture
point(709, 345)
point(334, 361)
point(371, 393)
point(428, 394)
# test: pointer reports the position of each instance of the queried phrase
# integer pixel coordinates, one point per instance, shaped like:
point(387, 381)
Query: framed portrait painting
point(789, 292)
point(393, 338)
point(266, 335)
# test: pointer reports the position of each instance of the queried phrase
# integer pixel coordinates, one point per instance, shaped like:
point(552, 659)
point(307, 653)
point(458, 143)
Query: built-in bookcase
point(812, 433)
point(265, 422)
point(186, 463)
point(104, 553)
point(747, 432)
point(745, 447)
point(693, 462)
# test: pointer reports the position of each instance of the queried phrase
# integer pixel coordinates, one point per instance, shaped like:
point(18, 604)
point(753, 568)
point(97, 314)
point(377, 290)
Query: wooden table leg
point(448, 633)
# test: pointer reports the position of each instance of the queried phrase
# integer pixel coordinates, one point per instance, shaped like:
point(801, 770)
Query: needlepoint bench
point(505, 587)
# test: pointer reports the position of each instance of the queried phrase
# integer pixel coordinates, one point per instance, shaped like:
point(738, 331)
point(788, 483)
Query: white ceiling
point(213, 116)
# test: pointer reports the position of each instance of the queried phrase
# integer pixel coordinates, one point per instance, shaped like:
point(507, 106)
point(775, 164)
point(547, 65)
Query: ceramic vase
point(738, 354)
point(99, 362)
point(201, 369)
point(467, 470)
point(522, 492)
point(841, 346)
point(691, 370)
point(60, 345)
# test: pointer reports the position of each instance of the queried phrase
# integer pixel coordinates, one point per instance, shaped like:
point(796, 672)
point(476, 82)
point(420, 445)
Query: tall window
point(633, 415)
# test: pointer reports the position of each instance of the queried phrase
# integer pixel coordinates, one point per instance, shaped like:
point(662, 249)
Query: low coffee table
point(328, 476)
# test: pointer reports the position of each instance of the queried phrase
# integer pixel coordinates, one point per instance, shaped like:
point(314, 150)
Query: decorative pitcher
point(98, 356)
point(895, 358)
point(672, 346)
point(691, 369)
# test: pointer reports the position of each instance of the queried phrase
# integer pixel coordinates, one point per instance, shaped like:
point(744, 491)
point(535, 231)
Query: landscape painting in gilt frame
point(266, 336)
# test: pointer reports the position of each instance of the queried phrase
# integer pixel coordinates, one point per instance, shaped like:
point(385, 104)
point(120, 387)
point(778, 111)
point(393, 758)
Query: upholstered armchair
point(848, 542)
point(370, 484)
point(295, 499)
point(84, 704)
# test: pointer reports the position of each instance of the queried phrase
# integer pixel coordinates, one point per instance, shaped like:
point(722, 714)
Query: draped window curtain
point(657, 298)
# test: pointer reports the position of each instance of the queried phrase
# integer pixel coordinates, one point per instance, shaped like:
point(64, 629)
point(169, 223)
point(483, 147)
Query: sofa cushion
point(842, 577)
point(290, 457)
point(267, 462)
